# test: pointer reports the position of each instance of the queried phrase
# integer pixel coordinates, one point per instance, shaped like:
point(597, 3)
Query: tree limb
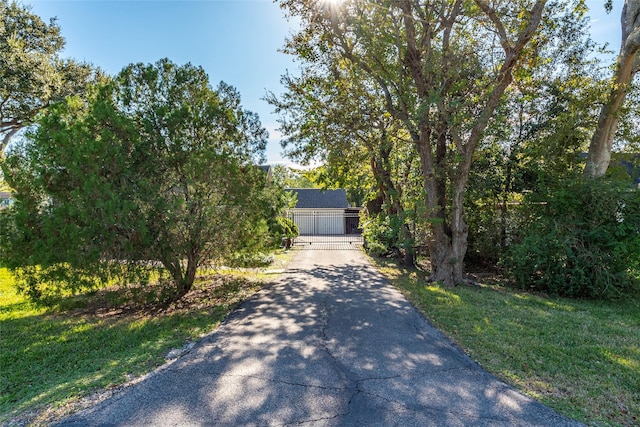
point(599, 154)
point(493, 16)
point(7, 137)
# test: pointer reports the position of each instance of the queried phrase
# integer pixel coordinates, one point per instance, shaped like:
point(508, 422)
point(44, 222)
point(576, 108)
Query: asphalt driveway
point(330, 344)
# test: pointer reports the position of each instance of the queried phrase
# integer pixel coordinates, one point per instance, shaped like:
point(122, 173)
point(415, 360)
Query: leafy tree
point(155, 168)
point(32, 74)
point(443, 68)
point(333, 114)
point(538, 132)
point(288, 177)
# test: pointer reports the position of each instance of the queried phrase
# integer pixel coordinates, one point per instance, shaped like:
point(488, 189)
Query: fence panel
point(327, 230)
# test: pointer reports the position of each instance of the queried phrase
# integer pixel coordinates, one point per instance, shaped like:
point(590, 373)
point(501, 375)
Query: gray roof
point(313, 198)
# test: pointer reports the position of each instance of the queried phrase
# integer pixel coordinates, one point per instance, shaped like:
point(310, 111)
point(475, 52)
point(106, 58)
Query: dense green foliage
point(415, 107)
point(287, 177)
point(582, 241)
point(538, 132)
point(287, 228)
point(383, 235)
point(154, 168)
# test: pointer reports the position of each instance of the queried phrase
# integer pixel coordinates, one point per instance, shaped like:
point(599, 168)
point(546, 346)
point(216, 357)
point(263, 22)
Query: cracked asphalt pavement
point(330, 344)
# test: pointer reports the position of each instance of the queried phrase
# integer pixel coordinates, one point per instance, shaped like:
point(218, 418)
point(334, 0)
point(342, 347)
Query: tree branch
point(7, 137)
point(493, 16)
point(505, 76)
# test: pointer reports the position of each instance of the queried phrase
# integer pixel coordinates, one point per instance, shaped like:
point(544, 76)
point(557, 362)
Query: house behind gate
point(324, 212)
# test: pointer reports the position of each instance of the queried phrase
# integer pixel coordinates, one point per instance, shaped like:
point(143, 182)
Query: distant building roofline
point(315, 198)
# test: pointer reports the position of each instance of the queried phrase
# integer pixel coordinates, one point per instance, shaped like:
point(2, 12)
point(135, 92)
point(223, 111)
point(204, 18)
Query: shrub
point(377, 249)
point(281, 229)
point(251, 260)
point(289, 228)
point(381, 235)
point(168, 181)
point(484, 239)
point(584, 242)
point(492, 228)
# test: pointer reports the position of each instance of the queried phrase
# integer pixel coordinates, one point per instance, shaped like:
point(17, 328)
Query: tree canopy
point(441, 70)
point(155, 168)
point(462, 118)
point(32, 73)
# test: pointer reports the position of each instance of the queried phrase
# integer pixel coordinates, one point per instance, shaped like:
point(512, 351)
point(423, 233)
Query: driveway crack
point(279, 381)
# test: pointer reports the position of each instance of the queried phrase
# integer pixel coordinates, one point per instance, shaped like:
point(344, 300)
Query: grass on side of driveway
point(581, 358)
point(50, 359)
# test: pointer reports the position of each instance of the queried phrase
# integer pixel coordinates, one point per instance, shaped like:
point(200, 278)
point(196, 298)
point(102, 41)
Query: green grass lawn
point(49, 358)
point(581, 358)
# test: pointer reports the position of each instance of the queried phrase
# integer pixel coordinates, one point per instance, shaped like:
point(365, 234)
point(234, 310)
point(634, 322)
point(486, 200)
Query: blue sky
point(233, 40)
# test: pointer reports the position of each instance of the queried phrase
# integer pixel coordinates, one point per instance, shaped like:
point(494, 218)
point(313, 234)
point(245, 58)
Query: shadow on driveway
point(332, 343)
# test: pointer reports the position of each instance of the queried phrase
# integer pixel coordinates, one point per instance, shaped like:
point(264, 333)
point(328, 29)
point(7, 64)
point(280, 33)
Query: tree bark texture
point(10, 132)
point(449, 231)
point(426, 68)
point(599, 155)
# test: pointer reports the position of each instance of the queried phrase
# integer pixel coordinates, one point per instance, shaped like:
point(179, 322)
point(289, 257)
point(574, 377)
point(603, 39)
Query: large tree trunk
point(183, 278)
point(599, 154)
point(449, 231)
point(441, 253)
point(189, 278)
